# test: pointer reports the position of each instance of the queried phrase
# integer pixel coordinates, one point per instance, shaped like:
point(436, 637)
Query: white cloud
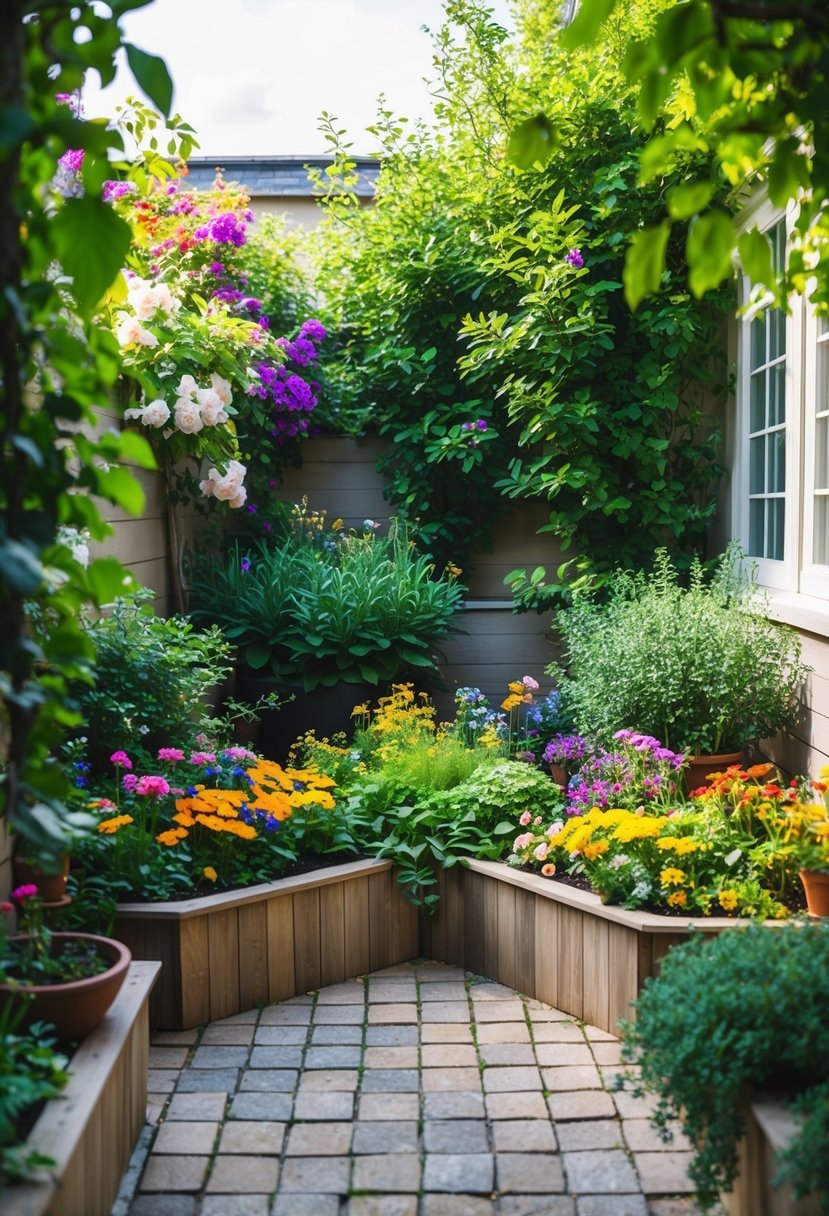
point(252, 77)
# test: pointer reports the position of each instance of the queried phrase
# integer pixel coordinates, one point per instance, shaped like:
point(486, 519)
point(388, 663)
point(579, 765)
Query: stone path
point(420, 1090)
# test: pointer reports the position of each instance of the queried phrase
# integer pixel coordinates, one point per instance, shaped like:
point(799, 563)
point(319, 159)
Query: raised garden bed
point(91, 1129)
point(552, 941)
point(224, 953)
point(769, 1128)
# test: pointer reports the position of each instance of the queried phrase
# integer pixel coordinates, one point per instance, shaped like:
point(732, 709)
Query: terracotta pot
point(559, 774)
point(76, 1007)
point(816, 886)
point(700, 767)
point(51, 887)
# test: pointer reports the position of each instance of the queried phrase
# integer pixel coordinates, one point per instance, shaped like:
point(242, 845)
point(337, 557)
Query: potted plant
point(729, 1019)
point(67, 979)
point(700, 667)
point(808, 835)
point(335, 610)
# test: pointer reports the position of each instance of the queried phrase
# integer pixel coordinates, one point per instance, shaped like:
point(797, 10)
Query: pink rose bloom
point(129, 782)
point(529, 683)
point(239, 499)
point(188, 416)
point(152, 787)
point(202, 758)
point(187, 387)
point(525, 819)
point(156, 413)
point(521, 842)
point(121, 758)
point(537, 820)
point(173, 754)
point(549, 870)
point(540, 851)
point(222, 388)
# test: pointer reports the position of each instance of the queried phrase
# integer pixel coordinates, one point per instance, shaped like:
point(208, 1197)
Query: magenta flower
point(238, 753)
point(152, 787)
point(173, 754)
point(121, 758)
point(574, 259)
point(24, 892)
point(129, 781)
point(202, 758)
point(72, 160)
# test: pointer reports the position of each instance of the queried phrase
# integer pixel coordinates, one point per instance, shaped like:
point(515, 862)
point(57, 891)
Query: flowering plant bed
point(224, 953)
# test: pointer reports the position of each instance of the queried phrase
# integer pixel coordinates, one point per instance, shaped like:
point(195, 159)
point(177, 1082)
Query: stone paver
point(415, 1091)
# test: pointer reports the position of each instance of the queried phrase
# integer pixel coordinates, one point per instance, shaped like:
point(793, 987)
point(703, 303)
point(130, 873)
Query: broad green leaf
point(151, 74)
point(92, 244)
point(754, 249)
point(585, 25)
point(708, 251)
point(689, 199)
point(531, 142)
point(106, 580)
point(257, 655)
point(788, 172)
point(645, 262)
point(19, 568)
point(119, 486)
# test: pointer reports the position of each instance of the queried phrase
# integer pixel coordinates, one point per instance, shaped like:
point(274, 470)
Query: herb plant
point(699, 667)
point(31, 1072)
point(727, 1019)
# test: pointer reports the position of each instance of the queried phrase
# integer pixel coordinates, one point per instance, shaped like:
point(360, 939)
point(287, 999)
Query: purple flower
point(312, 329)
point(245, 565)
point(481, 424)
point(574, 259)
point(217, 268)
point(112, 190)
point(72, 160)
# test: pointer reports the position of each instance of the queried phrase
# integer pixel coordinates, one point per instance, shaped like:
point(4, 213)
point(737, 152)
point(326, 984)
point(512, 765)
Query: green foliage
point(61, 249)
point(364, 611)
point(744, 85)
point(150, 679)
point(601, 413)
point(699, 667)
point(806, 1170)
point(270, 260)
point(31, 1072)
point(728, 1018)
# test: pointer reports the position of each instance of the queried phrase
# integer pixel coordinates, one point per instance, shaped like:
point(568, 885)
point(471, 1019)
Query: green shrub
point(31, 1071)
point(727, 1019)
point(364, 610)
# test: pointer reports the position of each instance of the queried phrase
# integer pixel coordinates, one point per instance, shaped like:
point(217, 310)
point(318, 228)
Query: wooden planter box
point(91, 1129)
point(224, 953)
point(550, 941)
point(769, 1128)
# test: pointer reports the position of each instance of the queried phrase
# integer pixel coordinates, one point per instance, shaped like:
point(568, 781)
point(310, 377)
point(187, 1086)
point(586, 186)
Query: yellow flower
point(452, 570)
point(171, 837)
point(595, 849)
point(109, 826)
point(728, 900)
point(245, 831)
point(677, 900)
point(210, 873)
point(337, 525)
point(671, 877)
point(678, 844)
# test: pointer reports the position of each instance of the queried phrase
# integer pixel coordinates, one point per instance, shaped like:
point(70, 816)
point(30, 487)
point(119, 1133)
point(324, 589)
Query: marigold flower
point(210, 873)
point(677, 900)
point(671, 877)
point(171, 837)
point(109, 826)
point(728, 899)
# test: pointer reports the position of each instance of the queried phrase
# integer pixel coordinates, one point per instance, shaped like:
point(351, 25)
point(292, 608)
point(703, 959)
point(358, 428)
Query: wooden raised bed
point(224, 953)
point(91, 1129)
point(551, 941)
point(769, 1128)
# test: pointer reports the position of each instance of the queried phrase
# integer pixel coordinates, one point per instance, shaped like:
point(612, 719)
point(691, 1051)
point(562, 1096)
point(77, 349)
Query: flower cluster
point(639, 770)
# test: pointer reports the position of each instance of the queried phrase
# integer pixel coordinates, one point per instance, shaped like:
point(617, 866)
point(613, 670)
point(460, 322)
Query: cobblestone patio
point(420, 1090)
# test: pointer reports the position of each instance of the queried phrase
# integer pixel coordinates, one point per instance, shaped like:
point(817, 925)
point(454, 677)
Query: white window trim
point(814, 579)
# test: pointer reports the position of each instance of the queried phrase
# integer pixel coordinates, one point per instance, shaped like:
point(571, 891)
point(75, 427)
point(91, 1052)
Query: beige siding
point(805, 748)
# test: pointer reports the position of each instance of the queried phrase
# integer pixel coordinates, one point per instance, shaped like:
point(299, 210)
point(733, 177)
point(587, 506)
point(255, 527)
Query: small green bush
point(31, 1071)
point(727, 1019)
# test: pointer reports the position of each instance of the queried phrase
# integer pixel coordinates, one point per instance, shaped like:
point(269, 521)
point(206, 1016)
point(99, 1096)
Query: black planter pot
point(323, 710)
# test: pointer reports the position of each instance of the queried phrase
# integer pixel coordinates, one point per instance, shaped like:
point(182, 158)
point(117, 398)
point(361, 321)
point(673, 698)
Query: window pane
point(758, 402)
point(777, 394)
point(820, 546)
point(774, 527)
point(756, 528)
point(822, 387)
point(822, 454)
point(776, 473)
point(757, 474)
point(777, 333)
point(758, 341)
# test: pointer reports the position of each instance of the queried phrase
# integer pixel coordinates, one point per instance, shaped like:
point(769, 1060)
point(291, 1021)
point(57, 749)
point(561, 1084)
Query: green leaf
point(586, 24)
point(119, 486)
point(257, 655)
point(106, 579)
point(92, 244)
point(754, 249)
point(645, 262)
point(150, 72)
point(689, 199)
point(531, 142)
point(19, 567)
point(708, 251)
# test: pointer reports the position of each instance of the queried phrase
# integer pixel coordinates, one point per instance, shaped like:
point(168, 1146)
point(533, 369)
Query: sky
point(252, 76)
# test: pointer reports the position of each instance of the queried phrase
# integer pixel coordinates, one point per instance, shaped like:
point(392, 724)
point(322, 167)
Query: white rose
point(208, 486)
point(239, 499)
point(188, 416)
point(143, 302)
point(163, 298)
point(145, 338)
point(235, 472)
point(211, 406)
point(156, 413)
point(222, 388)
point(128, 330)
point(187, 387)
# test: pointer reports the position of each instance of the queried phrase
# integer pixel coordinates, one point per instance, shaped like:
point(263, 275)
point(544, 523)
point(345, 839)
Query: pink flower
point(239, 753)
point(129, 781)
point(521, 842)
point(202, 758)
point(6, 906)
point(529, 683)
point(549, 870)
point(540, 851)
point(24, 892)
point(525, 819)
point(537, 820)
point(121, 758)
point(173, 754)
point(152, 787)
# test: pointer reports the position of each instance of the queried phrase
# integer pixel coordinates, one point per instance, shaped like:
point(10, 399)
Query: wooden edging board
point(91, 1129)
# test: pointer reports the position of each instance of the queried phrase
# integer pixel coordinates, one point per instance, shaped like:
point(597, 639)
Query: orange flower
point(171, 837)
point(109, 826)
point(759, 770)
